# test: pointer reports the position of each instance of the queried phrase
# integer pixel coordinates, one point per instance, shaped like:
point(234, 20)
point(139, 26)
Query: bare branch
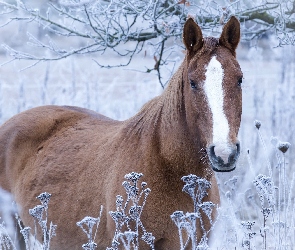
point(125, 26)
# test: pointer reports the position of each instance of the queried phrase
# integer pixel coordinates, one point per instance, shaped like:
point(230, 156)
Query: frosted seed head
point(257, 124)
point(189, 178)
point(246, 243)
point(117, 215)
point(264, 187)
point(44, 199)
point(135, 212)
point(204, 184)
point(177, 214)
point(148, 238)
point(25, 232)
point(134, 177)
point(130, 235)
point(266, 212)
point(189, 188)
point(178, 218)
point(190, 184)
point(37, 212)
point(248, 224)
point(186, 225)
point(283, 146)
point(89, 246)
point(192, 216)
point(207, 207)
point(88, 221)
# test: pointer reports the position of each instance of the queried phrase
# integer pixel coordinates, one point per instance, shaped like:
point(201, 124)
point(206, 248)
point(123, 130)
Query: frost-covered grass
point(129, 227)
point(87, 224)
point(129, 211)
point(257, 210)
point(197, 189)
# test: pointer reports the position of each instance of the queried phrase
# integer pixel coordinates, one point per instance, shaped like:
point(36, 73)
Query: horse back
point(24, 136)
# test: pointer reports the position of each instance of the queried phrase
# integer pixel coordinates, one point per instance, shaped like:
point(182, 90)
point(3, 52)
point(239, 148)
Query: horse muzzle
point(218, 163)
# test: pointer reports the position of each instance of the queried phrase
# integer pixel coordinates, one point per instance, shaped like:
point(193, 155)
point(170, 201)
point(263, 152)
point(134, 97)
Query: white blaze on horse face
point(215, 96)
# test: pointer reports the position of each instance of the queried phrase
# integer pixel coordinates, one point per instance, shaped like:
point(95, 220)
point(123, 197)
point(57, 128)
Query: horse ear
point(192, 36)
point(230, 36)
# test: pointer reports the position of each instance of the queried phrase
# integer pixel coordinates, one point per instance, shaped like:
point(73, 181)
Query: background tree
point(130, 27)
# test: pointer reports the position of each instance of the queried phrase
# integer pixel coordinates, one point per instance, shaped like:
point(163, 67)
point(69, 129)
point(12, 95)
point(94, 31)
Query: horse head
point(212, 85)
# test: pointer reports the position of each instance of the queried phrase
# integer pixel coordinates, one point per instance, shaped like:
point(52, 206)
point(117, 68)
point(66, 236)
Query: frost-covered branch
point(128, 27)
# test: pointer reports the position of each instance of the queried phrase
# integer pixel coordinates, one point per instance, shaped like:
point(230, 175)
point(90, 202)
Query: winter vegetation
point(130, 49)
point(261, 217)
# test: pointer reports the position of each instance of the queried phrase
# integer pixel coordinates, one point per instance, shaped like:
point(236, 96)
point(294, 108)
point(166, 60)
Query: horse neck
point(162, 121)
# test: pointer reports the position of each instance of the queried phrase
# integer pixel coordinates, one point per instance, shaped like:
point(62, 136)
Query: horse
point(81, 157)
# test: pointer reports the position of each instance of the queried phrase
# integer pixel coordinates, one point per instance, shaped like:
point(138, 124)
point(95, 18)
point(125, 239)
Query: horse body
point(81, 157)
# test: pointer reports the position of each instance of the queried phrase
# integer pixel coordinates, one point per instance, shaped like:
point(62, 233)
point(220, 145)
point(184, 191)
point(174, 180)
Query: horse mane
point(165, 107)
point(168, 106)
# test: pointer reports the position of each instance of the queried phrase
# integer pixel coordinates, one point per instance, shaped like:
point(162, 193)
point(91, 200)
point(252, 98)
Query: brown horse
point(81, 157)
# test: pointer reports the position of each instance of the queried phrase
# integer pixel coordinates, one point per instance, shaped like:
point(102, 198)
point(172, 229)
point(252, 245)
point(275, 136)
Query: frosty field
point(268, 96)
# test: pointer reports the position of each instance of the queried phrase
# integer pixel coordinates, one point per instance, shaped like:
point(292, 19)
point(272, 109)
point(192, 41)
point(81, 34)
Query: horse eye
point(193, 84)
point(240, 81)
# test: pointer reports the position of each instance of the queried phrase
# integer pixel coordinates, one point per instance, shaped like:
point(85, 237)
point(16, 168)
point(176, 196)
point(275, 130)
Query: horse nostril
point(211, 150)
